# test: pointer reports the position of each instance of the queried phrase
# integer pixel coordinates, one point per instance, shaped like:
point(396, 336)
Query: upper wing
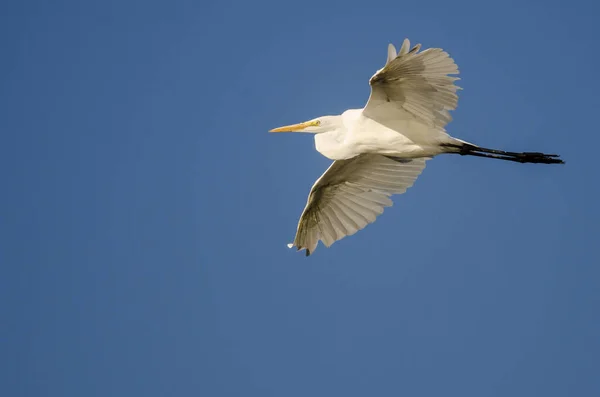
point(350, 195)
point(416, 84)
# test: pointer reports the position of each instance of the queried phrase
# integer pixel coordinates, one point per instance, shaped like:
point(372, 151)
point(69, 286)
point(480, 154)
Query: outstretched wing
point(350, 195)
point(414, 84)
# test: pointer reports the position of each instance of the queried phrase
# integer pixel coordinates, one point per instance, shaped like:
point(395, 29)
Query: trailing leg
point(467, 149)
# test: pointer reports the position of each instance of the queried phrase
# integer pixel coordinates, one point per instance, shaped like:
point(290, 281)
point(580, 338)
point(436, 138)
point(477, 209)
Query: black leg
point(514, 154)
point(524, 157)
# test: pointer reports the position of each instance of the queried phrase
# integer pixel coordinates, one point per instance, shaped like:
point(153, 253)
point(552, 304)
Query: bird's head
point(314, 126)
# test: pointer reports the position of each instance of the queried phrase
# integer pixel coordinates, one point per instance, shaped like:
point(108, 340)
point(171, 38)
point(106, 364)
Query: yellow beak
point(293, 127)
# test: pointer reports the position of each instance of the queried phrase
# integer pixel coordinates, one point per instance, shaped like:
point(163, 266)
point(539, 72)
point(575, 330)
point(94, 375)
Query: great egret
point(380, 150)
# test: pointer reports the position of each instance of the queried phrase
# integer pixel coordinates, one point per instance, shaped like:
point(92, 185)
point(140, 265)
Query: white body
point(408, 138)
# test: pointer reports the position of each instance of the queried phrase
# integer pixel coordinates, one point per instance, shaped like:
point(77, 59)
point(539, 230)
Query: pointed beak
point(292, 128)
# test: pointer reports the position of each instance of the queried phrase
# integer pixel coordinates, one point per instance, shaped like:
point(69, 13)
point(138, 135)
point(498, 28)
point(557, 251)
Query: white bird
point(381, 149)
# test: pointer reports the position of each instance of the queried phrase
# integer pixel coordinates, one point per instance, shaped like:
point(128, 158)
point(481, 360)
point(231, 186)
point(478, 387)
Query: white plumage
point(350, 195)
point(415, 83)
point(380, 150)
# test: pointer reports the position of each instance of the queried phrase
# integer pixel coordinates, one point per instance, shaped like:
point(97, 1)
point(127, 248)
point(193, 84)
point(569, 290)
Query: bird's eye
point(318, 123)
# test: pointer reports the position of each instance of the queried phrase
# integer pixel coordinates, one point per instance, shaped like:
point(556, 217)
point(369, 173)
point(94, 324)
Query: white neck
point(330, 144)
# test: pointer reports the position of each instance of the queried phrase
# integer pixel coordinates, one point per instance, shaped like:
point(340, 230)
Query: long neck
point(331, 144)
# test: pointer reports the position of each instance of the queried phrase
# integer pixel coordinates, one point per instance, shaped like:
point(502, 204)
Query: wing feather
point(350, 195)
point(415, 84)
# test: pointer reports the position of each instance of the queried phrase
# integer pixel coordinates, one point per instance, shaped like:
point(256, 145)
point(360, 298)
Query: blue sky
point(146, 210)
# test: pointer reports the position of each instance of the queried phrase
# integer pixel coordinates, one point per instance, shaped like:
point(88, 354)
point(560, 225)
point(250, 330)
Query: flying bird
point(380, 150)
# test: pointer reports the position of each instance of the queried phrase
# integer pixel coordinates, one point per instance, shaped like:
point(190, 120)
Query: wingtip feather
point(391, 53)
point(405, 47)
